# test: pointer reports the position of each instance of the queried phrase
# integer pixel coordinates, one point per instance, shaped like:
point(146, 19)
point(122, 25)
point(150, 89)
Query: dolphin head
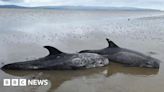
point(152, 63)
point(89, 60)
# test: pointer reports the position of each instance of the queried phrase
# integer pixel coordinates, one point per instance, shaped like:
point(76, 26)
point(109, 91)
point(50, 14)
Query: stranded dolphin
point(125, 56)
point(57, 60)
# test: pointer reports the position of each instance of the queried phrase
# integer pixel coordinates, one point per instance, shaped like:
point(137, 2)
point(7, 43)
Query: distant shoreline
point(86, 8)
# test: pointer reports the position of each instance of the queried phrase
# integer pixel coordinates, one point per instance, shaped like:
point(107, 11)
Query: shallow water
point(24, 32)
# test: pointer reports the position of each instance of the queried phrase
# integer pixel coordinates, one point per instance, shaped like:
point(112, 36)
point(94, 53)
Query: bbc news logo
point(25, 82)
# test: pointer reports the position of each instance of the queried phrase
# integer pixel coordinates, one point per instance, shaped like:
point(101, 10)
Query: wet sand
point(24, 32)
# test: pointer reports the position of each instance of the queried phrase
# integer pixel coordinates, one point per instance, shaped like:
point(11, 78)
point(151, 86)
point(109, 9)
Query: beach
point(24, 32)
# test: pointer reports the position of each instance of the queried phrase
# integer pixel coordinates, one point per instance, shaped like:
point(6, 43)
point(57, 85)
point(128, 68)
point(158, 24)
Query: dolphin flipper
point(111, 44)
point(52, 50)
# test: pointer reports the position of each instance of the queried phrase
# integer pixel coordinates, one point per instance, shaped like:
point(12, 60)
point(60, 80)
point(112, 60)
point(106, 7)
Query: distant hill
point(81, 8)
point(101, 8)
point(11, 6)
point(95, 8)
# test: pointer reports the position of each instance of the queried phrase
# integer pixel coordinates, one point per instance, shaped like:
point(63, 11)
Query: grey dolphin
point(58, 60)
point(125, 56)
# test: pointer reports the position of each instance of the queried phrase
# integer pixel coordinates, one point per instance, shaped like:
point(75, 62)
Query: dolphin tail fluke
point(52, 50)
point(111, 44)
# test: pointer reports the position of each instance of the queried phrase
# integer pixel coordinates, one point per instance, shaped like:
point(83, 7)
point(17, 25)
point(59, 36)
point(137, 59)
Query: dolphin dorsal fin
point(111, 44)
point(52, 50)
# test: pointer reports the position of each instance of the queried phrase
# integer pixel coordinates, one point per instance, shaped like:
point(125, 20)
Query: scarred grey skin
point(58, 60)
point(126, 56)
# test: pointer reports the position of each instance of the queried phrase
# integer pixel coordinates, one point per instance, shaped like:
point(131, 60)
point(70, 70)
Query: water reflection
point(56, 78)
point(118, 68)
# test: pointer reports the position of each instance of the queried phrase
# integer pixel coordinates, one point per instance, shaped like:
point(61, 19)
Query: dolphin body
point(57, 60)
point(125, 56)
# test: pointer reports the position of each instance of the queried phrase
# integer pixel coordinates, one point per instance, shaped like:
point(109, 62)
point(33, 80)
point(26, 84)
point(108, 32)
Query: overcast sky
point(152, 4)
